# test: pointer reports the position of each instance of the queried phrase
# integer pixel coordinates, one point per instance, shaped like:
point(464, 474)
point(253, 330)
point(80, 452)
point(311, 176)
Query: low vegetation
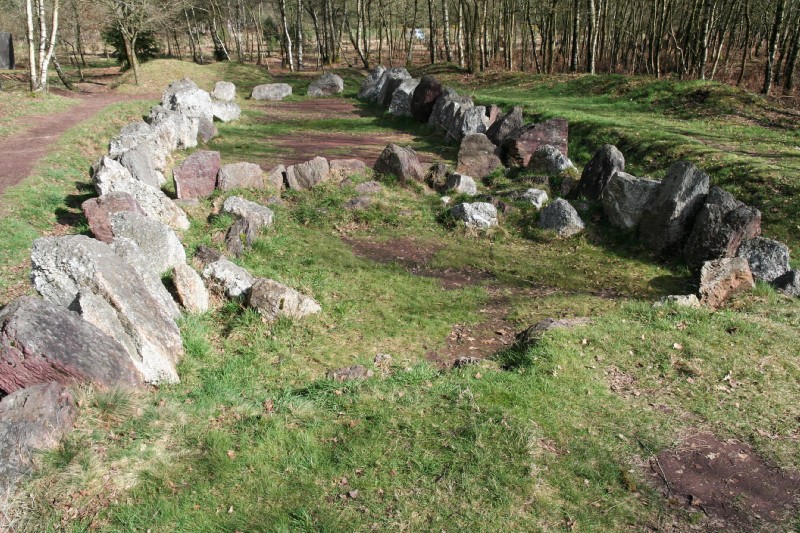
point(556, 437)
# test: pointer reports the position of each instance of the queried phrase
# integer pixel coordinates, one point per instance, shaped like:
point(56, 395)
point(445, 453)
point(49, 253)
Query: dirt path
point(20, 152)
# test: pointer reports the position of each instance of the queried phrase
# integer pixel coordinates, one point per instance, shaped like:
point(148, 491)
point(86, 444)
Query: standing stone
point(160, 245)
point(601, 167)
point(400, 162)
point(788, 283)
point(191, 290)
point(435, 120)
point(98, 212)
point(228, 277)
point(478, 215)
point(306, 175)
point(392, 79)
point(477, 156)
point(451, 117)
point(461, 184)
point(32, 420)
point(256, 214)
point(371, 86)
point(427, 91)
point(562, 218)
point(520, 144)
point(274, 300)
point(549, 160)
point(326, 85)
point(271, 91)
point(536, 197)
point(768, 259)
point(469, 119)
point(224, 91)
point(722, 225)
point(503, 126)
point(64, 267)
point(41, 342)
point(113, 177)
point(667, 221)
point(722, 278)
point(400, 105)
point(625, 198)
point(196, 177)
point(240, 176)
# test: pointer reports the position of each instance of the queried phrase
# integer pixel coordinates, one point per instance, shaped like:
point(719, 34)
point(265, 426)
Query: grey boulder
point(191, 290)
point(224, 91)
point(227, 277)
point(461, 184)
point(306, 175)
point(326, 85)
point(625, 198)
point(390, 81)
point(400, 106)
point(256, 214)
point(240, 176)
point(401, 163)
point(139, 162)
point(503, 126)
point(536, 197)
point(274, 300)
point(225, 112)
point(477, 156)
point(371, 86)
point(788, 283)
point(596, 174)
point(271, 91)
point(549, 160)
point(561, 218)
point(159, 244)
point(768, 259)
point(478, 215)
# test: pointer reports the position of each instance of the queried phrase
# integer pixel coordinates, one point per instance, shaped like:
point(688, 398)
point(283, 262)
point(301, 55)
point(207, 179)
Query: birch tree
point(39, 57)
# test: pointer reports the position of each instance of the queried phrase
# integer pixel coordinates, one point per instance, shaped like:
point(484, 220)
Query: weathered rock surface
point(400, 162)
point(306, 175)
point(110, 177)
point(358, 203)
point(391, 80)
point(427, 91)
point(274, 300)
point(722, 278)
point(504, 125)
point(196, 177)
point(42, 342)
point(605, 162)
point(206, 129)
point(369, 187)
point(229, 278)
point(130, 136)
point(225, 112)
point(32, 420)
point(768, 259)
point(349, 373)
point(493, 113)
point(64, 267)
point(206, 255)
point(139, 162)
point(477, 156)
point(788, 283)
point(478, 215)
point(667, 221)
point(562, 218)
point(256, 214)
point(446, 117)
point(224, 91)
point(188, 100)
point(549, 160)
point(160, 245)
point(625, 198)
point(271, 91)
point(276, 177)
point(344, 168)
point(371, 86)
point(521, 143)
point(191, 290)
point(400, 106)
point(173, 129)
point(98, 212)
point(240, 237)
point(326, 85)
point(461, 184)
point(536, 197)
point(721, 226)
point(240, 176)
point(468, 120)
point(533, 334)
point(680, 300)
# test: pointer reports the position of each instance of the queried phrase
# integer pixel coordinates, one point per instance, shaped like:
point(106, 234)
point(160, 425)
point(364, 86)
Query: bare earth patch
point(728, 482)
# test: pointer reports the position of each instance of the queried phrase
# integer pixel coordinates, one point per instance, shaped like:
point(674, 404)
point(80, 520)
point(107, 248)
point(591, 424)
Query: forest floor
point(664, 419)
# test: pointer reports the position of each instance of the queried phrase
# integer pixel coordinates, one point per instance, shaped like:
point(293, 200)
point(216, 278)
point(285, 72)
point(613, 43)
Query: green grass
point(255, 438)
point(16, 106)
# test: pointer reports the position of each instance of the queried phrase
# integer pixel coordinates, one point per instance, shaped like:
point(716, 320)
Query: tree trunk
point(299, 35)
point(773, 42)
point(286, 37)
point(591, 36)
point(446, 33)
point(431, 34)
point(31, 47)
point(573, 60)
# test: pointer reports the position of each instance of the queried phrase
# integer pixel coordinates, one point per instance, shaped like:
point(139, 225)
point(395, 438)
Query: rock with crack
point(98, 212)
point(271, 91)
point(788, 283)
point(188, 100)
point(722, 278)
point(371, 86)
point(468, 120)
point(478, 215)
point(154, 141)
point(561, 218)
point(625, 198)
point(596, 174)
point(176, 130)
point(536, 197)
point(549, 160)
point(400, 106)
point(534, 334)
point(503, 126)
point(225, 111)
point(139, 162)
point(191, 290)
point(768, 259)
point(520, 144)
point(326, 85)
point(427, 91)
point(668, 220)
point(477, 156)
point(721, 226)
point(32, 420)
point(400, 162)
point(256, 214)
point(349, 373)
point(42, 342)
point(306, 175)
point(240, 176)
point(110, 177)
point(240, 236)
point(679, 300)
point(196, 177)
point(227, 277)
point(160, 245)
point(461, 184)
point(274, 300)
point(62, 268)
point(391, 79)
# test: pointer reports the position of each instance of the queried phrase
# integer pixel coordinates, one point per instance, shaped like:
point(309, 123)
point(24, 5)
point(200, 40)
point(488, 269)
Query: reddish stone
point(493, 113)
point(722, 278)
point(98, 212)
point(520, 144)
point(197, 176)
